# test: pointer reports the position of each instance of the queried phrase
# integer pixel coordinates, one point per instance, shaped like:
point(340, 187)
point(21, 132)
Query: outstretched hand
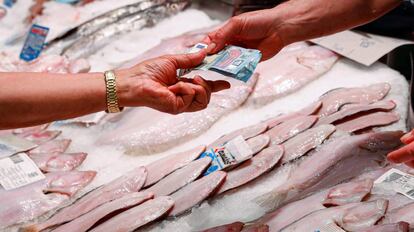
point(406, 153)
point(154, 83)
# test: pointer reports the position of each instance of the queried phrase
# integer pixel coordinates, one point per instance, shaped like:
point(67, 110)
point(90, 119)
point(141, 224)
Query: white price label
point(398, 181)
point(17, 171)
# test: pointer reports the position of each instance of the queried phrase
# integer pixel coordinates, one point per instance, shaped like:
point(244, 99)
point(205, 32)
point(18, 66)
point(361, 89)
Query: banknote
point(11, 144)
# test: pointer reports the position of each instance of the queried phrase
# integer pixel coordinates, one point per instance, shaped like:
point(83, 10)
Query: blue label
point(34, 43)
point(9, 3)
point(215, 164)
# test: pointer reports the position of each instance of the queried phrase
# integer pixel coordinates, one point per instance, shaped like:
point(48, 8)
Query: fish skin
point(86, 221)
point(53, 146)
point(367, 121)
point(404, 213)
point(290, 128)
point(246, 133)
point(308, 110)
point(289, 71)
point(149, 15)
point(52, 162)
point(258, 143)
point(41, 136)
point(29, 202)
point(252, 168)
point(343, 157)
point(334, 99)
point(393, 227)
point(302, 143)
point(131, 181)
point(291, 212)
point(195, 192)
point(354, 109)
point(233, 227)
point(162, 167)
point(138, 216)
point(351, 217)
point(149, 135)
point(180, 178)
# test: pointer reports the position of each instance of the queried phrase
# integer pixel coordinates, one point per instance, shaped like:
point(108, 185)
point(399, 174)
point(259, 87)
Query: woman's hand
point(256, 30)
point(154, 84)
point(406, 153)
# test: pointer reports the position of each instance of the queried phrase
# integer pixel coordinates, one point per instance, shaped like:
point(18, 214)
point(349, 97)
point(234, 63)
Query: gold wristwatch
point(111, 95)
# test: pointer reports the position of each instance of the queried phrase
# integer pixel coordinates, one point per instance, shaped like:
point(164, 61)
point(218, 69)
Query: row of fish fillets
point(293, 68)
point(172, 186)
point(62, 181)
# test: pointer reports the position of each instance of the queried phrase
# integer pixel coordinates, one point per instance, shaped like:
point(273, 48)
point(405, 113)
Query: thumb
point(190, 60)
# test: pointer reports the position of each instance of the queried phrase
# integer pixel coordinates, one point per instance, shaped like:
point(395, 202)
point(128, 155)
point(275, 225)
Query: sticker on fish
point(34, 43)
point(17, 171)
point(397, 181)
point(235, 151)
point(11, 144)
point(236, 62)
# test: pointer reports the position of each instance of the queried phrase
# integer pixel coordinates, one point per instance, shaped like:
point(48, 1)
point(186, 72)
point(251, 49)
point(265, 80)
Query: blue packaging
point(34, 43)
point(9, 3)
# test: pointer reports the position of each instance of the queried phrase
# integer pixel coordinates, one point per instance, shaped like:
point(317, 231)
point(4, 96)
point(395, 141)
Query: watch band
point(111, 95)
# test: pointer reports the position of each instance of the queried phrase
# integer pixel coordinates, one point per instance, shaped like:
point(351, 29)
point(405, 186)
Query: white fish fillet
point(138, 216)
point(41, 136)
point(369, 120)
point(246, 132)
point(258, 143)
point(289, 71)
point(53, 146)
point(392, 227)
point(308, 110)
point(52, 162)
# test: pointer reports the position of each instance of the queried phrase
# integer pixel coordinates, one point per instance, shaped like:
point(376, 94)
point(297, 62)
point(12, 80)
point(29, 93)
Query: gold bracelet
point(111, 95)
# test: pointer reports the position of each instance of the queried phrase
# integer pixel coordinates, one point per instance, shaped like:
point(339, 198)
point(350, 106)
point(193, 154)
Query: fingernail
point(406, 136)
point(211, 47)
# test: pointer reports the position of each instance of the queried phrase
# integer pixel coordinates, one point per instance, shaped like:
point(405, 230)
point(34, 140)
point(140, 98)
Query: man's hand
point(154, 84)
point(255, 30)
point(406, 153)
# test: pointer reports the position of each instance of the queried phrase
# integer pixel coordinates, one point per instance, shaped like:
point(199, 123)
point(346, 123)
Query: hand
point(406, 153)
point(154, 84)
point(255, 30)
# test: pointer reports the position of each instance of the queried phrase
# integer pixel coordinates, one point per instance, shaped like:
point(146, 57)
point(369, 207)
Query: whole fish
point(150, 13)
point(52, 162)
point(132, 181)
point(148, 134)
point(31, 201)
point(343, 157)
point(350, 217)
point(86, 221)
point(137, 216)
point(289, 71)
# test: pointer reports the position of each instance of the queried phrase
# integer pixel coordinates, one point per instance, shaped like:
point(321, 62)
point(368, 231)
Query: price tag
point(34, 43)
point(17, 171)
point(397, 181)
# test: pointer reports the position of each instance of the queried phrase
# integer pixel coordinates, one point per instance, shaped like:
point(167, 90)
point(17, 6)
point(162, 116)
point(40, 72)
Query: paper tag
point(331, 227)
point(398, 181)
point(233, 152)
point(361, 47)
point(34, 43)
point(17, 171)
point(11, 144)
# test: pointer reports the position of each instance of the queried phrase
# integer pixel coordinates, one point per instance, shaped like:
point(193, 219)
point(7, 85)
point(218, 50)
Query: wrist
point(129, 88)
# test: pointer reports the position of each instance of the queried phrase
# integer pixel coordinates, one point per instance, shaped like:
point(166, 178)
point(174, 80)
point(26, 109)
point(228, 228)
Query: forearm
point(299, 20)
point(33, 98)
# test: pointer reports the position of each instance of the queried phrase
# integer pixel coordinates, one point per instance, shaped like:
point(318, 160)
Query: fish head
point(68, 183)
point(363, 215)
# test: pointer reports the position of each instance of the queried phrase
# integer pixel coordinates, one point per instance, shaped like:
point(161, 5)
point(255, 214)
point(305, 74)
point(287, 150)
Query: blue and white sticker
point(34, 43)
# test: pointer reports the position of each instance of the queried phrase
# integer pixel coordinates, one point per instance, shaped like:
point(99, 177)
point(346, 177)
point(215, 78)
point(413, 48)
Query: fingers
point(190, 97)
point(190, 60)
point(410, 164)
point(218, 39)
point(408, 138)
point(217, 86)
point(404, 154)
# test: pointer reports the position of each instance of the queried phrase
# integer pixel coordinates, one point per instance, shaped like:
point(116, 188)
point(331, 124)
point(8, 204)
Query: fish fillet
point(53, 146)
point(308, 110)
point(86, 221)
point(405, 214)
point(233, 227)
point(258, 143)
point(160, 168)
point(334, 99)
point(354, 109)
point(31, 201)
point(41, 136)
point(369, 120)
point(290, 128)
point(180, 178)
point(252, 168)
point(53, 162)
point(138, 216)
point(302, 143)
point(246, 132)
point(393, 227)
point(132, 181)
point(29, 130)
point(287, 72)
point(156, 131)
point(196, 192)
point(351, 217)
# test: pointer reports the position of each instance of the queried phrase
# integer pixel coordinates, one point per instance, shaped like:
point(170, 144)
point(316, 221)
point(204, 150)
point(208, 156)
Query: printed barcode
point(411, 192)
point(16, 159)
point(32, 174)
point(392, 177)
